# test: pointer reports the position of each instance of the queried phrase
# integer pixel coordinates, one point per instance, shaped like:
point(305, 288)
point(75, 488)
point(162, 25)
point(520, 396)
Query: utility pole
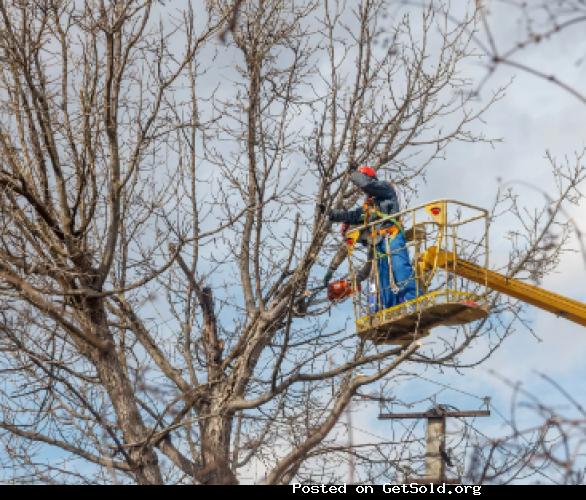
point(352, 463)
point(435, 454)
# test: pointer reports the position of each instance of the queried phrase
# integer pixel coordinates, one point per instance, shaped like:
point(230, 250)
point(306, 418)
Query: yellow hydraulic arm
point(562, 306)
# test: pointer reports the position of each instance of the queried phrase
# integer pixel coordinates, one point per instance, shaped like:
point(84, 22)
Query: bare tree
point(538, 23)
point(159, 231)
point(547, 450)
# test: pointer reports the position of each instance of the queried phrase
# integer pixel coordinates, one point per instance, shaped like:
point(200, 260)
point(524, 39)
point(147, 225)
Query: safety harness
point(387, 233)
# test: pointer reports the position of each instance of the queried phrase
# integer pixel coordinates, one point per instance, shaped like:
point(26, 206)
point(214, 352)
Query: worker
point(395, 273)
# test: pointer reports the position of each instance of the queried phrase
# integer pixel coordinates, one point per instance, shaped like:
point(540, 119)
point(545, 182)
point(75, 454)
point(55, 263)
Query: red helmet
point(366, 170)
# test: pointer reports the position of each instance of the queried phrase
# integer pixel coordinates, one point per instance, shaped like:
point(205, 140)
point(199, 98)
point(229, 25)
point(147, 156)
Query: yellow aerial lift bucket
point(442, 298)
point(446, 242)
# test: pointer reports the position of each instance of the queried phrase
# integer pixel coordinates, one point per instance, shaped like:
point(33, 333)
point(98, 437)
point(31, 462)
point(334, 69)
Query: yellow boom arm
point(562, 306)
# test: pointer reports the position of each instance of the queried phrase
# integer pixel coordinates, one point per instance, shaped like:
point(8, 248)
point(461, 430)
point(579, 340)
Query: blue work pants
point(402, 271)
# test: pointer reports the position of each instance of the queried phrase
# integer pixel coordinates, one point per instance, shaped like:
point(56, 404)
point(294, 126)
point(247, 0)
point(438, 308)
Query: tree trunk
point(116, 382)
point(144, 459)
point(215, 445)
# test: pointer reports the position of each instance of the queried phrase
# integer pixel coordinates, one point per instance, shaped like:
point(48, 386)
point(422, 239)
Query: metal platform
point(400, 325)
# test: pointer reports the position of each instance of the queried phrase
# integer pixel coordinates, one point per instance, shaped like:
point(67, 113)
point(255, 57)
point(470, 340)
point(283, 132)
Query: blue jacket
point(382, 192)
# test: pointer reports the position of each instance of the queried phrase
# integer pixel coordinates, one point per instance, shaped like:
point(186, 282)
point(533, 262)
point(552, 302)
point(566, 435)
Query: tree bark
point(215, 445)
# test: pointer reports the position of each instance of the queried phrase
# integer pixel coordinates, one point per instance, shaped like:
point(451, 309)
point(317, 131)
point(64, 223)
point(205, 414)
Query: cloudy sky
point(535, 116)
